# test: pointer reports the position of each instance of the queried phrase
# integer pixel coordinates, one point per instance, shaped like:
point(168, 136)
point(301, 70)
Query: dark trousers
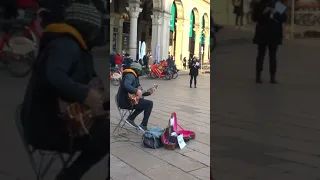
point(239, 20)
point(143, 105)
point(92, 149)
point(193, 78)
point(272, 58)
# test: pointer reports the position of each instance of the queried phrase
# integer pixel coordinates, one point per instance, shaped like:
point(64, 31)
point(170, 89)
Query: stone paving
point(264, 132)
point(129, 160)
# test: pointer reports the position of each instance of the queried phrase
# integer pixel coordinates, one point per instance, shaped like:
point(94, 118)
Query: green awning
point(173, 16)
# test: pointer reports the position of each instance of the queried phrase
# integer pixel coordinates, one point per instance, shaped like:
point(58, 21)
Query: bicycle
point(116, 76)
point(159, 71)
point(19, 48)
point(174, 72)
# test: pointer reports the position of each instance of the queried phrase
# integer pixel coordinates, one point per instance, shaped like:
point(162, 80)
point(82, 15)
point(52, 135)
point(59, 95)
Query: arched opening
point(172, 40)
point(202, 38)
point(145, 24)
point(194, 23)
point(192, 36)
point(205, 42)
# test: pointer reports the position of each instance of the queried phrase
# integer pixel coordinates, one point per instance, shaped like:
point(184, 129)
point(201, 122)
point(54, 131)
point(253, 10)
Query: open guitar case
point(170, 143)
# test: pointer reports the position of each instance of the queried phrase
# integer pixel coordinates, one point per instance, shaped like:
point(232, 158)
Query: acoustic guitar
point(79, 117)
point(134, 99)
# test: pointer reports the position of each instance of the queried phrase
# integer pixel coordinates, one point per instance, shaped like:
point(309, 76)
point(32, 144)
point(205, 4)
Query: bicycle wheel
point(152, 75)
point(175, 75)
point(115, 79)
point(19, 65)
point(20, 52)
point(168, 75)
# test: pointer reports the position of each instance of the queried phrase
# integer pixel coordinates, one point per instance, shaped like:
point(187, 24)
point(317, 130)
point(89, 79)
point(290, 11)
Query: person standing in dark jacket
point(268, 34)
point(131, 84)
point(194, 72)
point(62, 70)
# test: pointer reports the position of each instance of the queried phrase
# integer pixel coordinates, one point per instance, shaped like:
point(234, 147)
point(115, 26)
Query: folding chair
point(123, 114)
point(40, 169)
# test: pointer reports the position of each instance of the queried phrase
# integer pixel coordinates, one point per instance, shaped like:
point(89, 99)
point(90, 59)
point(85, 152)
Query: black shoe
point(273, 80)
point(195, 86)
point(143, 128)
point(131, 123)
point(190, 86)
point(258, 78)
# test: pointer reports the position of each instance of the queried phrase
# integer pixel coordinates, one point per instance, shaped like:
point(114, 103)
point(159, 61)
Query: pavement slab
point(264, 132)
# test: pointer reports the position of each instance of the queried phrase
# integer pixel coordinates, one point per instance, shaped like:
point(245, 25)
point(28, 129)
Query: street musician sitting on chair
point(130, 96)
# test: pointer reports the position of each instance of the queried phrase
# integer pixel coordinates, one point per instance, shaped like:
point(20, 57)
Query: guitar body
point(134, 99)
point(79, 117)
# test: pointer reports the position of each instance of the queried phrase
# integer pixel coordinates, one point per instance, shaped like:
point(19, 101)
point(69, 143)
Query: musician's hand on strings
point(139, 93)
point(94, 100)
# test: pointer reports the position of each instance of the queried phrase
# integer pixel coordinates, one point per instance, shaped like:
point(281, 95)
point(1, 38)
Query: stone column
point(165, 20)
point(134, 11)
point(156, 34)
point(186, 39)
point(120, 32)
point(198, 32)
point(179, 42)
point(111, 33)
point(206, 44)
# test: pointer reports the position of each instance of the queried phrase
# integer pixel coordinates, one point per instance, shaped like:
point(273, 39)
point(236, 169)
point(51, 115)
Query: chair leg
point(45, 170)
point(33, 162)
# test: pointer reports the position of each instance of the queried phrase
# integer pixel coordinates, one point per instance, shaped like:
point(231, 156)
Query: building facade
point(179, 27)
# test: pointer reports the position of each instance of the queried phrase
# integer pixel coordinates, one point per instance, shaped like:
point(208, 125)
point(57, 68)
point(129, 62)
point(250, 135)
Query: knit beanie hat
point(85, 17)
point(136, 67)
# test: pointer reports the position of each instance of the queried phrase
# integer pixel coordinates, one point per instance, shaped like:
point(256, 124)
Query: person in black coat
point(268, 34)
point(194, 72)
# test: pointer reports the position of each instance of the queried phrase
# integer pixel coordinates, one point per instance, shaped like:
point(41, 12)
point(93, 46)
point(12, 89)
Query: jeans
point(143, 105)
point(272, 58)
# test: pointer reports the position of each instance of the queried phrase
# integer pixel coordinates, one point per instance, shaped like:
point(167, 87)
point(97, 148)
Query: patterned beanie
point(85, 15)
point(136, 66)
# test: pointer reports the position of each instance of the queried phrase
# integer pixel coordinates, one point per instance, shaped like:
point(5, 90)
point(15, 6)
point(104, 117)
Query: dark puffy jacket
point(63, 69)
point(129, 84)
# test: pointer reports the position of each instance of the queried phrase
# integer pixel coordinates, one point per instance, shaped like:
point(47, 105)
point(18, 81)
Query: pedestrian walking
point(268, 34)
point(194, 72)
point(247, 10)
point(185, 63)
point(238, 11)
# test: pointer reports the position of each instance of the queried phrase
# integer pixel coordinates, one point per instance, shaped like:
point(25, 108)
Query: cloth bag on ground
point(151, 139)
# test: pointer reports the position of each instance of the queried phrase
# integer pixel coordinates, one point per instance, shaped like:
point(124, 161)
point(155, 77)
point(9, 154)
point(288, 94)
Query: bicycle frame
point(155, 70)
